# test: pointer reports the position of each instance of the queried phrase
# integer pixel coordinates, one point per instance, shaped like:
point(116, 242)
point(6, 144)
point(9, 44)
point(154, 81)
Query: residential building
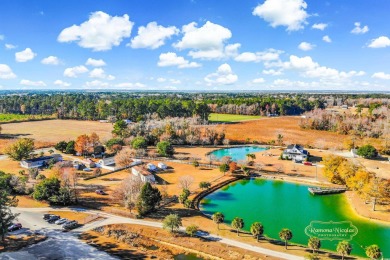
point(295, 152)
point(144, 174)
point(40, 161)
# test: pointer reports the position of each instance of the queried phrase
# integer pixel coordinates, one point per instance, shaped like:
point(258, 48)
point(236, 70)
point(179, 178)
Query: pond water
point(278, 204)
point(237, 153)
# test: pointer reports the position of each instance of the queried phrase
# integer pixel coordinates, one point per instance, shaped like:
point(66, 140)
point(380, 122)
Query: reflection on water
point(279, 204)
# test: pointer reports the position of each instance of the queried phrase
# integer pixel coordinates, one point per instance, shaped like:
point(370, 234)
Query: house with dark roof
point(295, 152)
point(40, 161)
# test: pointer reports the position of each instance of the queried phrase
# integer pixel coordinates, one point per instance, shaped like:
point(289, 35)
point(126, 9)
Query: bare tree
point(226, 142)
point(124, 158)
point(226, 159)
point(186, 181)
point(211, 158)
point(279, 168)
point(258, 166)
point(128, 191)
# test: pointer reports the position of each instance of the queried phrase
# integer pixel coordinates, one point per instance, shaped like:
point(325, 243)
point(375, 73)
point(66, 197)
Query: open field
point(53, 131)
point(265, 130)
point(7, 118)
point(226, 118)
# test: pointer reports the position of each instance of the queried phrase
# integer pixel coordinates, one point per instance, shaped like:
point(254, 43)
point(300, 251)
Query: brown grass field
point(265, 130)
point(53, 131)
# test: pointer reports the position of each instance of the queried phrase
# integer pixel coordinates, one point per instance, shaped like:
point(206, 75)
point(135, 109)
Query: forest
point(136, 106)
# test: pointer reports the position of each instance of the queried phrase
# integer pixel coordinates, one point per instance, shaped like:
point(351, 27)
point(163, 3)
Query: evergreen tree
point(149, 198)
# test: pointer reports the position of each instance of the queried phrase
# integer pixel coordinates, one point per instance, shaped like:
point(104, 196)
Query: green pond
point(237, 153)
point(277, 204)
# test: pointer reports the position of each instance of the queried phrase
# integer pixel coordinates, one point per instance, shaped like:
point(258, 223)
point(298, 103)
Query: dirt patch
point(131, 241)
point(28, 202)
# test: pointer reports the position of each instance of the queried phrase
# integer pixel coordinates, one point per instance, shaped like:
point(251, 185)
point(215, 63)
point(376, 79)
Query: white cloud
point(100, 74)
point(268, 55)
point(61, 83)
point(309, 68)
point(359, 30)
point(380, 42)
point(96, 84)
point(319, 26)
point(258, 80)
point(171, 59)
point(207, 42)
point(306, 46)
point(130, 85)
point(272, 72)
point(6, 72)
point(327, 39)
point(291, 13)
point(161, 80)
point(51, 60)
point(25, 55)
point(95, 63)
point(381, 75)
point(75, 71)
point(175, 81)
point(27, 82)
point(100, 33)
point(152, 36)
point(1, 37)
point(223, 76)
point(9, 46)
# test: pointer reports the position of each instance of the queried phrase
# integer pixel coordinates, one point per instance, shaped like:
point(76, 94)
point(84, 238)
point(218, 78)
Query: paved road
point(32, 218)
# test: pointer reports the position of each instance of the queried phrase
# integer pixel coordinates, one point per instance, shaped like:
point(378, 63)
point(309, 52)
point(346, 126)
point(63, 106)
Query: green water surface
point(277, 204)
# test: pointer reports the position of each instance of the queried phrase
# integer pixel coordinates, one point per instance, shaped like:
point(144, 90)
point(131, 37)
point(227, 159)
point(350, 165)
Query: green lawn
point(227, 118)
point(9, 118)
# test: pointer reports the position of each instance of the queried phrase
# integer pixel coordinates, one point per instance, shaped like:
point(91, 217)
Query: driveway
point(65, 244)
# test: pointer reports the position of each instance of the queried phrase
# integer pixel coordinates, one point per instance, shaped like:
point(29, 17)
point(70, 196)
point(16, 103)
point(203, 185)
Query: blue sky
point(195, 44)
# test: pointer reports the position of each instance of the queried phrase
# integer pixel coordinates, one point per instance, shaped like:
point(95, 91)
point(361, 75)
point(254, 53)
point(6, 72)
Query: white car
point(61, 221)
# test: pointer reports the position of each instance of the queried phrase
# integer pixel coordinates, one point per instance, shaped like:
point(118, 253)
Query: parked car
point(100, 192)
point(307, 163)
point(53, 219)
point(61, 221)
point(70, 225)
point(14, 227)
point(87, 169)
point(46, 216)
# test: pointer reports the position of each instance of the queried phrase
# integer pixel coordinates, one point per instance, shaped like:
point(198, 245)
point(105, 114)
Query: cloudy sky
point(195, 44)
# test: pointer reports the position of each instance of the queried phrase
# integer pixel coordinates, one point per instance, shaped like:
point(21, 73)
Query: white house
point(108, 164)
point(295, 152)
point(162, 166)
point(40, 162)
point(151, 167)
point(144, 174)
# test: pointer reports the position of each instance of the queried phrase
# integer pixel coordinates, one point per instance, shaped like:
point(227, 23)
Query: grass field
point(6, 118)
point(228, 118)
point(53, 131)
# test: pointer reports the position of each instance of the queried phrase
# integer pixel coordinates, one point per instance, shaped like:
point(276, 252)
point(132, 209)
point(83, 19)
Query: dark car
point(14, 227)
point(70, 225)
point(53, 219)
point(100, 192)
point(46, 216)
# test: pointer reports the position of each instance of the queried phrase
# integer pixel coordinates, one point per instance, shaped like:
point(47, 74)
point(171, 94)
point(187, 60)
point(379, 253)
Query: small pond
point(237, 153)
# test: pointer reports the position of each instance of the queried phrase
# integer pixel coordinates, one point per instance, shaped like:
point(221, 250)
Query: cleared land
point(227, 118)
point(265, 130)
point(53, 131)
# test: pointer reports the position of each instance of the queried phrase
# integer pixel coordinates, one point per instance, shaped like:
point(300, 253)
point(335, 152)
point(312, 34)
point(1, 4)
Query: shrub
point(191, 230)
point(367, 151)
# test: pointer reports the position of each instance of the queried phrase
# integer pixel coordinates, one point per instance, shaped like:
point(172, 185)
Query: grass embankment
point(230, 118)
point(15, 243)
point(12, 118)
point(131, 241)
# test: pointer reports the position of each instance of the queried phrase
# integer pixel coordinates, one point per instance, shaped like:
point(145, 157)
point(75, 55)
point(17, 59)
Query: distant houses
point(108, 163)
point(295, 152)
point(40, 161)
point(144, 174)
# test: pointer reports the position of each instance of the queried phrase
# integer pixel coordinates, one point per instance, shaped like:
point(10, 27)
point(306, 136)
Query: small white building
point(144, 174)
point(151, 167)
point(108, 164)
point(162, 166)
point(40, 162)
